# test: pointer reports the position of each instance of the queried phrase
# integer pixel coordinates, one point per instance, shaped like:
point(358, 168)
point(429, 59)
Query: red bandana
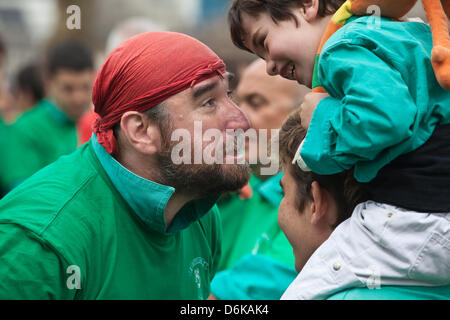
point(143, 72)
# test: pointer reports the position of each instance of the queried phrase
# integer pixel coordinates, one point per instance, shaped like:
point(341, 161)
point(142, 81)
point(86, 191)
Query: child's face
point(289, 51)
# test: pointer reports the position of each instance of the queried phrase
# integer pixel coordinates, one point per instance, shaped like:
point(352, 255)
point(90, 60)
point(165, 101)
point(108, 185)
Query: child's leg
point(440, 56)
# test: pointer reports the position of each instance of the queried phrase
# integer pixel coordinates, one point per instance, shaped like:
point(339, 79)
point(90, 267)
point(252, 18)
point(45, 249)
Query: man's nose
point(237, 119)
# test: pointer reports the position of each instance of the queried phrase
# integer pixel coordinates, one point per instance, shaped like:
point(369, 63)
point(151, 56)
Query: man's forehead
point(216, 79)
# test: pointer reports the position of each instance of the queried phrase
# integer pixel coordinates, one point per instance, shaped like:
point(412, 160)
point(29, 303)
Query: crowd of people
point(95, 205)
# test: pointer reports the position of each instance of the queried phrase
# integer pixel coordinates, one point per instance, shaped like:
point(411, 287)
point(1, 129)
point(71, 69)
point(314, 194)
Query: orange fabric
point(440, 55)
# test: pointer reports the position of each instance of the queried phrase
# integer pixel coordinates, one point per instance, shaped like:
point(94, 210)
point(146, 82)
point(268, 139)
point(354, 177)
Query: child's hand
point(308, 106)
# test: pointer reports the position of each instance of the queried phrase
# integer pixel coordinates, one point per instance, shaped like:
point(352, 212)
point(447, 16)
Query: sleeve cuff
point(316, 150)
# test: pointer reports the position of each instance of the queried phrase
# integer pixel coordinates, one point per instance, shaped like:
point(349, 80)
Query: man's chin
point(203, 180)
point(229, 178)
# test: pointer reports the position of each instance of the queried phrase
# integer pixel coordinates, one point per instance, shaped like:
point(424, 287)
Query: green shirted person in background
point(43, 134)
point(119, 218)
point(257, 260)
point(2, 123)
point(3, 129)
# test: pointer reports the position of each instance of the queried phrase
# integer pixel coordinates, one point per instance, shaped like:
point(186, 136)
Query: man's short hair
point(342, 186)
point(278, 10)
point(29, 79)
point(69, 55)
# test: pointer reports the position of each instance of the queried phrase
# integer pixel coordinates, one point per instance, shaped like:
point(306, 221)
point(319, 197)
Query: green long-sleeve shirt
point(385, 100)
point(69, 233)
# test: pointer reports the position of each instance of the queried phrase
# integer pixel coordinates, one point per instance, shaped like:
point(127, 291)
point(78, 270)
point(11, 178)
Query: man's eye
point(255, 101)
point(208, 103)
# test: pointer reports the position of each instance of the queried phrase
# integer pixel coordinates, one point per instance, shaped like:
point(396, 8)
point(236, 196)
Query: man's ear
point(142, 134)
point(310, 10)
point(320, 207)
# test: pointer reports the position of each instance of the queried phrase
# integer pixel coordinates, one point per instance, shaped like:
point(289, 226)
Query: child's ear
point(310, 10)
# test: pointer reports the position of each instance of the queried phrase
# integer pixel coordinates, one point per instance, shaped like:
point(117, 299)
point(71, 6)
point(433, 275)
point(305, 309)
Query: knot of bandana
point(145, 71)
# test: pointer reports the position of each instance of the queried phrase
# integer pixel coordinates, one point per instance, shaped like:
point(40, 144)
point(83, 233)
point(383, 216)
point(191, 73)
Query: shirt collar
point(148, 199)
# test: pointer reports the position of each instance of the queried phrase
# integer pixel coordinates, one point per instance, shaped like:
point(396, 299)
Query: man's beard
point(199, 180)
point(202, 180)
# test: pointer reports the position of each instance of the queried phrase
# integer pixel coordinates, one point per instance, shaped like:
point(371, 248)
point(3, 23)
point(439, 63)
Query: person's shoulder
point(60, 192)
point(32, 115)
point(30, 123)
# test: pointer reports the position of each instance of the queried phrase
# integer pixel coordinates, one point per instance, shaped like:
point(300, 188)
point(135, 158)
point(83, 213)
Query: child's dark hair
point(278, 10)
point(343, 187)
point(69, 55)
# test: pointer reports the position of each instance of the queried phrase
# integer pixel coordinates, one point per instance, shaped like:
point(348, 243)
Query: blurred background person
point(47, 131)
point(27, 89)
point(257, 261)
point(4, 92)
point(2, 124)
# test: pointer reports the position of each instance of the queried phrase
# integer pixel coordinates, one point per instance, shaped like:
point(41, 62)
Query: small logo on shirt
point(198, 267)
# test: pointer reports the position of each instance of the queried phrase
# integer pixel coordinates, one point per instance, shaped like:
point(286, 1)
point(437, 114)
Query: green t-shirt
point(67, 233)
point(250, 225)
point(36, 139)
point(258, 262)
point(3, 139)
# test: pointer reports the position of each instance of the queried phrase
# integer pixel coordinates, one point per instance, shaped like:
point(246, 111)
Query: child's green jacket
point(385, 100)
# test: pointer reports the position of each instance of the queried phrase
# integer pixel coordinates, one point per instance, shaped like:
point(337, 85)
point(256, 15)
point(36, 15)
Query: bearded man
point(117, 219)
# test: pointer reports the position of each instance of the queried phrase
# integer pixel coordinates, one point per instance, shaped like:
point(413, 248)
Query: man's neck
point(139, 167)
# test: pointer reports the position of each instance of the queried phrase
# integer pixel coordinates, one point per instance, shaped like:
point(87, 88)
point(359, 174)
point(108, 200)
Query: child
point(387, 117)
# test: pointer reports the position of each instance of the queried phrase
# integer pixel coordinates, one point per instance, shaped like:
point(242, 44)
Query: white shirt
point(378, 245)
